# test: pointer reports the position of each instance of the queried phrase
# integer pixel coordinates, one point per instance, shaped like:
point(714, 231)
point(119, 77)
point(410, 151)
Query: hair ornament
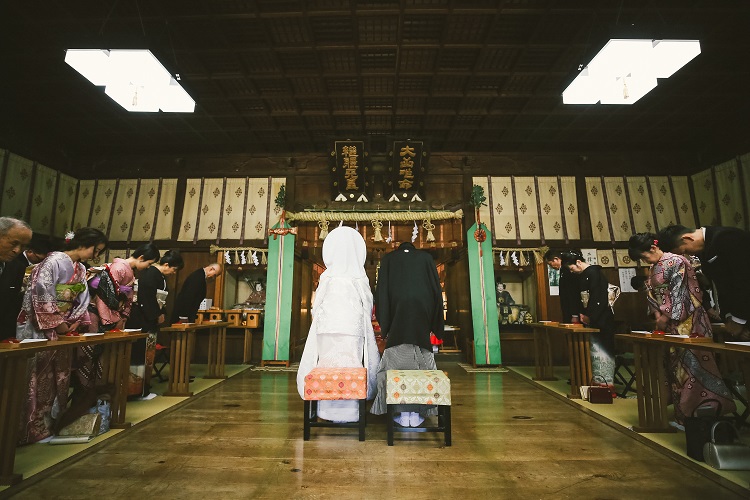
point(69, 236)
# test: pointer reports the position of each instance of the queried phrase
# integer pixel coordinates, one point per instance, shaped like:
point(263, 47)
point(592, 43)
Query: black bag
point(600, 393)
point(698, 428)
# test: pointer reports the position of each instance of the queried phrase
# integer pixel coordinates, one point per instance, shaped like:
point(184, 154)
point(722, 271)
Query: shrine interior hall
point(385, 116)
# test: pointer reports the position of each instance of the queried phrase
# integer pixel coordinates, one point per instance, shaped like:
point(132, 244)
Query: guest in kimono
point(675, 298)
point(720, 251)
point(409, 307)
point(570, 295)
point(55, 303)
point(341, 333)
point(148, 312)
point(110, 307)
point(596, 313)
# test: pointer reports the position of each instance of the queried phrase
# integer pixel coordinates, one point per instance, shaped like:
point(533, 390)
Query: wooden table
point(651, 379)
point(179, 354)
point(14, 386)
point(579, 354)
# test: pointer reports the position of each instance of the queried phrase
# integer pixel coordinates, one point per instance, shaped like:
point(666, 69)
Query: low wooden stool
point(335, 384)
point(422, 387)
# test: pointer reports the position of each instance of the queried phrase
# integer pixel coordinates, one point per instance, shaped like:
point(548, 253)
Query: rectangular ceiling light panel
point(625, 70)
point(135, 79)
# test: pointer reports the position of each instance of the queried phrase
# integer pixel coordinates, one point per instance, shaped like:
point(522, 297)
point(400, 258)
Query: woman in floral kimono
point(675, 298)
point(54, 304)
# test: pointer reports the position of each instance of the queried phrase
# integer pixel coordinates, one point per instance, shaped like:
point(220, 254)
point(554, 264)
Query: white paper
point(739, 343)
point(92, 334)
point(132, 330)
point(678, 336)
point(642, 332)
point(29, 341)
point(589, 255)
point(553, 276)
point(626, 274)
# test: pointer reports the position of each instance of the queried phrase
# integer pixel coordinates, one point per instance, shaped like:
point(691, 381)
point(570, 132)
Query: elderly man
point(720, 250)
point(193, 292)
point(15, 235)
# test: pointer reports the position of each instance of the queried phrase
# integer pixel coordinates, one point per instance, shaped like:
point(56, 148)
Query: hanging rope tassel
point(378, 226)
point(429, 226)
point(263, 258)
point(390, 234)
point(323, 225)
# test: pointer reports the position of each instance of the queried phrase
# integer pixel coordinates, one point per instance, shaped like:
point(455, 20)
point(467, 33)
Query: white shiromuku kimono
point(341, 332)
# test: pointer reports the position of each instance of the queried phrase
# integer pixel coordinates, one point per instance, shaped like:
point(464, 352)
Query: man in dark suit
point(193, 292)
point(11, 296)
point(721, 251)
point(409, 299)
point(570, 293)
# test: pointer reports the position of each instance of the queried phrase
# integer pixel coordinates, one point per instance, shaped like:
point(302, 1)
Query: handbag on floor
point(732, 455)
point(597, 393)
point(699, 425)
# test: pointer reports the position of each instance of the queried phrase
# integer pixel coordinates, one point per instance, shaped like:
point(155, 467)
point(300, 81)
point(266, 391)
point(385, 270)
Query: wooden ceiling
point(286, 77)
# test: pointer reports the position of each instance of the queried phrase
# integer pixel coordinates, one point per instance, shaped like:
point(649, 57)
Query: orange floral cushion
point(336, 383)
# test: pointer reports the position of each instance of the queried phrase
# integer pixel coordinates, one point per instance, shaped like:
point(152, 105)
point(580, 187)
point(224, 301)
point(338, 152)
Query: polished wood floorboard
point(244, 440)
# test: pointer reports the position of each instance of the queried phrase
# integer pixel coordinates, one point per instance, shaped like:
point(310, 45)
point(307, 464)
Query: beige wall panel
point(166, 201)
point(190, 210)
point(745, 166)
point(681, 193)
point(528, 212)
point(257, 202)
point(43, 199)
point(484, 212)
point(123, 210)
point(605, 257)
point(86, 195)
point(15, 195)
point(208, 226)
point(549, 200)
point(730, 194)
point(640, 205)
point(145, 208)
point(597, 209)
point(703, 187)
point(570, 202)
point(618, 208)
point(234, 204)
point(103, 201)
point(661, 192)
point(503, 208)
point(623, 259)
point(66, 196)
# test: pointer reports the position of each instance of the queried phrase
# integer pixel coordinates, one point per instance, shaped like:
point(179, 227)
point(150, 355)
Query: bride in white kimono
point(341, 331)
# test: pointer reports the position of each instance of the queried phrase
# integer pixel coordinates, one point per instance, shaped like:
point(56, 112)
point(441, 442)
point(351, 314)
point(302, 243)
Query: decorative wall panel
point(528, 210)
point(681, 193)
point(233, 209)
point(705, 200)
point(86, 194)
point(597, 209)
point(165, 210)
point(15, 195)
point(65, 206)
point(617, 203)
point(122, 215)
point(146, 208)
point(43, 199)
point(729, 189)
point(102, 203)
point(663, 201)
point(640, 204)
point(190, 209)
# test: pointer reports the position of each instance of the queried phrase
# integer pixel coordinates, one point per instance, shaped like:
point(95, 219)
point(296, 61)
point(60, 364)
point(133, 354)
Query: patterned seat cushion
point(425, 387)
point(336, 383)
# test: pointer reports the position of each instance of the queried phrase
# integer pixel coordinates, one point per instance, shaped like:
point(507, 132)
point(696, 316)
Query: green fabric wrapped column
point(279, 279)
point(483, 303)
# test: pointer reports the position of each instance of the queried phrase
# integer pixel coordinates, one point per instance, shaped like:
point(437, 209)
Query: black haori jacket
point(408, 299)
point(724, 261)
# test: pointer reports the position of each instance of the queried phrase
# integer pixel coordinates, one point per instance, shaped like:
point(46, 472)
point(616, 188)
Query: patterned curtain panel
point(597, 209)
point(210, 212)
point(258, 199)
point(623, 259)
point(745, 169)
point(234, 209)
point(730, 194)
point(15, 195)
point(559, 207)
point(43, 199)
point(606, 257)
point(703, 187)
point(504, 210)
point(86, 192)
point(640, 204)
point(66, 197)
point(618, 208)
point(528, 210)
point(190, 210)
point(663, 201)
point(102, 202)
point(165, 216)
point(124, 204)
point(681, 191)
point(146, 207)
point(570, 204)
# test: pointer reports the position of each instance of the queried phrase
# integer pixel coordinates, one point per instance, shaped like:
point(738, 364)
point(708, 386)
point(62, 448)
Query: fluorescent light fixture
point(626, 70)
point(134, 79)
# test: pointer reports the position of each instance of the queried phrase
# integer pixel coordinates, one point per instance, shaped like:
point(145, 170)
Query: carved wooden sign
point(349, 172)
point(407, 169)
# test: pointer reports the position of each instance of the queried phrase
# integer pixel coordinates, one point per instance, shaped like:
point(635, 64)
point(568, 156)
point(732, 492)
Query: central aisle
point(244, 440)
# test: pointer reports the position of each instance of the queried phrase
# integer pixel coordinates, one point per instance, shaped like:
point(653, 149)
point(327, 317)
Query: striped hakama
point(402, 357)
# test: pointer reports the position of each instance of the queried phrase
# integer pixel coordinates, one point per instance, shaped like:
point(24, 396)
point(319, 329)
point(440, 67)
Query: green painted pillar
point(279, 278)
point(483, 301)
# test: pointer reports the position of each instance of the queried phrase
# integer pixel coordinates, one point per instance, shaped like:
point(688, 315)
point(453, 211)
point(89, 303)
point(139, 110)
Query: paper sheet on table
point(739, 343)
point(29, 341)
point(642, 332)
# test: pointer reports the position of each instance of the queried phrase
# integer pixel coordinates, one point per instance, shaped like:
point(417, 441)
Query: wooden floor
point(243, 439)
